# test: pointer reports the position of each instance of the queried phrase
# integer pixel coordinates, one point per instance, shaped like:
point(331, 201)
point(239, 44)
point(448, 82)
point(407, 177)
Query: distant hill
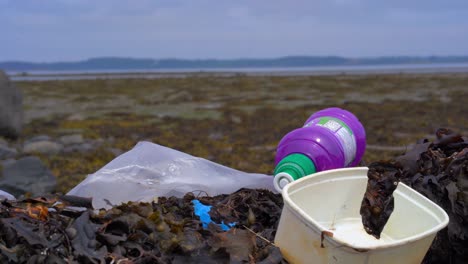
point(116, 63)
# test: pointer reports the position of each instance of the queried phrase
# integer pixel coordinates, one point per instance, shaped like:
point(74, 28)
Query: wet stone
point(38, 138)
point(71, 139)
point(7, 153)
point(27, 175)
point(43, 147)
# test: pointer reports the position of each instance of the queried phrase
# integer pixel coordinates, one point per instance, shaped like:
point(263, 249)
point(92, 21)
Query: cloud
point(50, 30)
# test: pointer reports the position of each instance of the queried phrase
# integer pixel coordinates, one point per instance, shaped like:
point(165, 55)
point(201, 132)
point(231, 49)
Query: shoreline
point(269, 72)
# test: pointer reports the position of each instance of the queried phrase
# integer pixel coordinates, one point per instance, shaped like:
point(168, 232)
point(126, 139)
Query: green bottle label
point(342, 132)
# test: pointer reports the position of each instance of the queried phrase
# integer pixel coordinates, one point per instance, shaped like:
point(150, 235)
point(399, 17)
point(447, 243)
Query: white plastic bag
point(5, 195)
point(149, 170)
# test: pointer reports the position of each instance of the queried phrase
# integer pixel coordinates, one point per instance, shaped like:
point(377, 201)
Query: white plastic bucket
point(323, 210)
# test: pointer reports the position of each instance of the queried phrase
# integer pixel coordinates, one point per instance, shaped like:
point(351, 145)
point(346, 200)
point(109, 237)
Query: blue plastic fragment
point(202, 211)
point(225, 227)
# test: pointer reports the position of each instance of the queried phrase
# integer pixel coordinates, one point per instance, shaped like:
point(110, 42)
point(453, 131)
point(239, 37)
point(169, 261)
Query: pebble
point(71, 139)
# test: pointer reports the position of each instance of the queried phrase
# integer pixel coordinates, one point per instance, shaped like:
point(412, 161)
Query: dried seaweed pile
point(438, 170)
point(45, 230)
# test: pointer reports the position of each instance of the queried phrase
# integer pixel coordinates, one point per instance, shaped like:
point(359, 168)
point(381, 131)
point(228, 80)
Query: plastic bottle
point(331, 138)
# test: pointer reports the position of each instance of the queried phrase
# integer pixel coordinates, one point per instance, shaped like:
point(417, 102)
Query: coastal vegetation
point(236, 121)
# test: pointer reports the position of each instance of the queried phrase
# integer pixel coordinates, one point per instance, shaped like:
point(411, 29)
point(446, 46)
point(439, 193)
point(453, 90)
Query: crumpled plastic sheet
point(149, 170)
point(5, 195)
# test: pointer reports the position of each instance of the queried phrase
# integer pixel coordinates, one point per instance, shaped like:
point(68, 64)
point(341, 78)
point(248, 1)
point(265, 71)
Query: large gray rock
point(27, 175)
point(11, 108)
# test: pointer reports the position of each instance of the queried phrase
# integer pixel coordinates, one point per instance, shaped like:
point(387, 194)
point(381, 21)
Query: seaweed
point(439, 171)
point(442, 176)
point(235, 121)
point(166, 231)
point(378, 204)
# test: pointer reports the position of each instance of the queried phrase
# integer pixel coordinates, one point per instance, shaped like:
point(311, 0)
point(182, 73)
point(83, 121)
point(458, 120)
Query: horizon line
point(234, 59)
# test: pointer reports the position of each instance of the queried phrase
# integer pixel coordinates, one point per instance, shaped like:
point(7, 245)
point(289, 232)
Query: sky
point(71, 30)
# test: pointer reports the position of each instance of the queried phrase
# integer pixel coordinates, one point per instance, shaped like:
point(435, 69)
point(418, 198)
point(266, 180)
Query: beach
point(234, 120)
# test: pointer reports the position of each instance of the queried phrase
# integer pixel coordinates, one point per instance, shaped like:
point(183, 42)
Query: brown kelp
point(439, 171)
point(378, 204)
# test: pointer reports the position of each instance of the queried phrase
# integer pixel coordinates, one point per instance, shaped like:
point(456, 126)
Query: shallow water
point(228, 72)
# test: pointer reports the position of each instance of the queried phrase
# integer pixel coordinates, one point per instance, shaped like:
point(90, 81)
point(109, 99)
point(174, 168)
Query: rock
point(216, 135)
point(81, 148)
point(27, 175)
point(182, 96)
point(236, 119)
point(3, 142)
point(44, 147)
point(71, 139)
point(11, 108)
point(7, 153)
point(6, 162)
point(38, 138)
point(76, 117)
point(97, 142)
point(115, 151)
